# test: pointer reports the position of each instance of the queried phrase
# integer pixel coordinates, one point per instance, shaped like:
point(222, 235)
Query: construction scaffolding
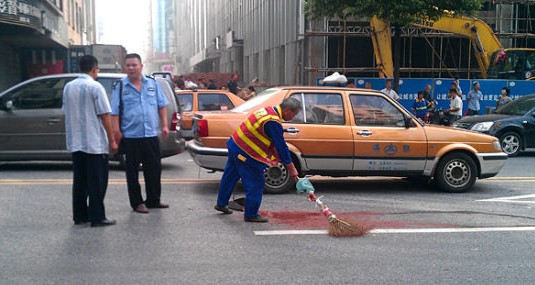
point(347, 47)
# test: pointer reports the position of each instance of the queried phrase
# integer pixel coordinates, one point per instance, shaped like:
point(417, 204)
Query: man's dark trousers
point(90, 179)
point(147, 152)
point(471, 112)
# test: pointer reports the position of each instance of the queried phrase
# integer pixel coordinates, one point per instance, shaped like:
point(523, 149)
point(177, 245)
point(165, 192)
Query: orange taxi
point(355, 132)
point(192, 101)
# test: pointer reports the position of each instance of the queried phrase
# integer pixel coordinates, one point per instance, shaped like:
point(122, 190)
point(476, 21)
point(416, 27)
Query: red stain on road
point(314, 220)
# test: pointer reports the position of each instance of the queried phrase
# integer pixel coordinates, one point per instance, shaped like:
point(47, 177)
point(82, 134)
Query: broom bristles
point(339, 228)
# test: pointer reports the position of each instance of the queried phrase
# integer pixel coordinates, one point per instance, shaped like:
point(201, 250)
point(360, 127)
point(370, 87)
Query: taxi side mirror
point(408, 122)
point(8, 106)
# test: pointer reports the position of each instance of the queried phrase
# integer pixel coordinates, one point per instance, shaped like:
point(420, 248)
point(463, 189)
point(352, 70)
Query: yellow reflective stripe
point(263, 119)
point(252, 145)
point(255, 132)
point(279, 111)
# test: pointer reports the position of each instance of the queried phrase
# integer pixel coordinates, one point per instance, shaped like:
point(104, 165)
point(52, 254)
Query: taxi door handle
point(365, 133)
point(53, 121)
point(291, 130)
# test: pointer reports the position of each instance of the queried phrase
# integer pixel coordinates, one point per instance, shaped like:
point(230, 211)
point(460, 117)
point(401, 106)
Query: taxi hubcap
point(276, 175)
point(457, 173)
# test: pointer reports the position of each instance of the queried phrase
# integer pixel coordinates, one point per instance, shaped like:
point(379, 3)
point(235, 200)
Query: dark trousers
point(472, 112)
point(90, 180)
point(147, 152)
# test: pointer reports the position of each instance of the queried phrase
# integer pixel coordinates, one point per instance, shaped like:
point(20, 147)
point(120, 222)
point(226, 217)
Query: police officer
point(258, 142)
point(143, 106)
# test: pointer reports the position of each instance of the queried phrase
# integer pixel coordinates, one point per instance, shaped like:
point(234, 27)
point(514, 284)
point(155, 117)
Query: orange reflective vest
point(252, 139)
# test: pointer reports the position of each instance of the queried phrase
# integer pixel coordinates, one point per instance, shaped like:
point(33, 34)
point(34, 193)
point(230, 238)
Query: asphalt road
point(419, 236)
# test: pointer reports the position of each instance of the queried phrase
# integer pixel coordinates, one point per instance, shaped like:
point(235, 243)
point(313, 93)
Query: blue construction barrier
point(491, 89)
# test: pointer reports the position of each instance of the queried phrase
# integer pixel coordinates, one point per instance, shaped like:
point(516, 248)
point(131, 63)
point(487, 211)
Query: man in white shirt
point(456, 106)
point(388, 90)
point(90, 140)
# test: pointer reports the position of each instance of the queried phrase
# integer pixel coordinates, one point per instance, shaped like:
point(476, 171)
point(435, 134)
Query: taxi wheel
point(456, 172)
point(277, 180)
point(511, 143)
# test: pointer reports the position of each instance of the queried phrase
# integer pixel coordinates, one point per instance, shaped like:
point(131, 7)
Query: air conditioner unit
point(229, 40)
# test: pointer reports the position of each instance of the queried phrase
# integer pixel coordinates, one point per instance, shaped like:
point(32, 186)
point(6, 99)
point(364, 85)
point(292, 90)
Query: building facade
point(424, 52)
point(35, 36)
point(257, 39)
point(162, 45)
point(273, 40)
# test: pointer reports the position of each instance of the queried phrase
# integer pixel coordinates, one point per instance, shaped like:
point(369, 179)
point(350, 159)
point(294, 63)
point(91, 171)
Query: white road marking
point(521, 199)
point(401, 231)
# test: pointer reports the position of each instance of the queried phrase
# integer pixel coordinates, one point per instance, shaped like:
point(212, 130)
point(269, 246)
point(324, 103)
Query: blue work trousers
point(251, 173)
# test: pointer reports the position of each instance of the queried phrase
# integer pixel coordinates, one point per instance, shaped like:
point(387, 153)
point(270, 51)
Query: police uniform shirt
point(140, 117)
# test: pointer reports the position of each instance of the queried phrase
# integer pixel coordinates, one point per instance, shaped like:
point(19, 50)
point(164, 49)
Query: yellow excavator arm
point(381, 35)
point(477, 31)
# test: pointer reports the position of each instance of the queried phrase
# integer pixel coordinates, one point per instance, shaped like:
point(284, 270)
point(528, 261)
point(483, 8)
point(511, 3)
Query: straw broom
point(337, 227)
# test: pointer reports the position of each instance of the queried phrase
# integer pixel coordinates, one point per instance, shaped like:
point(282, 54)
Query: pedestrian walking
point(90, 139)
point(257, 142)
point(455, 112)
point(138, 104)
point(232, 85)
point(420, 107)
point(212, 85)
point(429, 97)
point(389, 91)
point(504, 99)
point(472, 98)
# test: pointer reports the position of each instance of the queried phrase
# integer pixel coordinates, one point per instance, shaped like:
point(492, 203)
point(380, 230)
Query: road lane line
point(402, 231)
point(505, 180)
point(512, 199)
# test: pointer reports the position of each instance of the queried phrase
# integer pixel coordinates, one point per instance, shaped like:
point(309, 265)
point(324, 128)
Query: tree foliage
point(397, 12)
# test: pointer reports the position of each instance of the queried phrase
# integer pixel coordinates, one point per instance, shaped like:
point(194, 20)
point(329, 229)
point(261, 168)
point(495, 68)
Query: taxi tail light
point(201, 128)
point(175, 121)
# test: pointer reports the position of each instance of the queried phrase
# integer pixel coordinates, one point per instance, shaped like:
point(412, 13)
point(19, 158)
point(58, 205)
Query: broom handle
point(323, 208)
point(311, 196)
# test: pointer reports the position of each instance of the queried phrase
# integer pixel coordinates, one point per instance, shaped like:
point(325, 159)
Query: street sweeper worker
point(258, 142)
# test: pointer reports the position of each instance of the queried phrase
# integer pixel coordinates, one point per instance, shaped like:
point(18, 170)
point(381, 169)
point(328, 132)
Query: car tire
point(277, 180)
point(456, 173)
point(511, 143)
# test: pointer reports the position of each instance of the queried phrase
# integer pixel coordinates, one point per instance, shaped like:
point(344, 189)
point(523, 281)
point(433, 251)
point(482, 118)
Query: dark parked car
point(32, 124)
point(513, 124)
